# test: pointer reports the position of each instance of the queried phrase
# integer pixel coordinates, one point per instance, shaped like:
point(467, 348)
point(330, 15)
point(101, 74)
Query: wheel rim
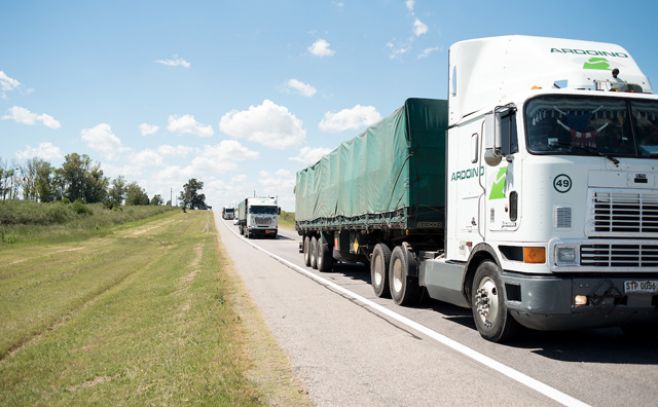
point(397, 275)
point(377, 265)
point(319, 255)
point(486, 301)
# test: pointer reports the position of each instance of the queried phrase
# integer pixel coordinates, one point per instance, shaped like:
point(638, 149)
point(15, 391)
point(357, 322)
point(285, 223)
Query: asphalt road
point(347, 353)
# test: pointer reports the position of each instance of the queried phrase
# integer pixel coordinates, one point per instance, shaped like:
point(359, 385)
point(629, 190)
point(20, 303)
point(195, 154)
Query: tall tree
point(43, 184)
point(135, 195)
point(190, 195)
point(73, 175)
point(116, 193)
point(95, 185)
point(156, 200)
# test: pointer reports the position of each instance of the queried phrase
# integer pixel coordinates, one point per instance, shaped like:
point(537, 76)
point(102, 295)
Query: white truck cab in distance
point(258, 216)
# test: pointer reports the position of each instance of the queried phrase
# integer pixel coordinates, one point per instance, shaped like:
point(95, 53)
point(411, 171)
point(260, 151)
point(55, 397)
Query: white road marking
point(503, 369)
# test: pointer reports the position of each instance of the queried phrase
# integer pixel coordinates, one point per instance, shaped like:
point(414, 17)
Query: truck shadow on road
point(608, 345)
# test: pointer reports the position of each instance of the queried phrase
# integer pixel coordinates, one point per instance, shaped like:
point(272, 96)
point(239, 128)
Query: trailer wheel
point(314, 252)
point(491, 315)
point(381, 257)
point(404, 288)
point(325, 259)
point(307, 251)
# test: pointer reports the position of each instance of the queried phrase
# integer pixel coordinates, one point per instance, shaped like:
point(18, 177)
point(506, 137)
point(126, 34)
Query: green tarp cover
point(394, 172)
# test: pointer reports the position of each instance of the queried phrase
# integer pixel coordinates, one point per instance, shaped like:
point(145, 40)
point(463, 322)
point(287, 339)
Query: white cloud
point(46, 151)
point(148, 129)
point(428, 51)
point(308, 155)
point(397, 50)
point(420, 28)
point(24, 116)
point(268, 124)
point(346, 119)
point(101, 138)
point(304, 89)
point(175, 61)
point(187, 124)
point(280, 184)
point(7, 84)
point(146, 158)
point(321, 48)
point(221, 157)
point(175, 151)
point(410, 6)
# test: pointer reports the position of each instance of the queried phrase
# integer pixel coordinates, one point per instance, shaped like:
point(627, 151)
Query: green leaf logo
point(498, 187)
point(598, 63)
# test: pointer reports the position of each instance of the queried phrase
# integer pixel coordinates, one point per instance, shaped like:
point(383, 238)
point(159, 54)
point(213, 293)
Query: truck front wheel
point(492, 318)
point(381, 257)
point(404, 288)
point(307, 251)
point(314, 252)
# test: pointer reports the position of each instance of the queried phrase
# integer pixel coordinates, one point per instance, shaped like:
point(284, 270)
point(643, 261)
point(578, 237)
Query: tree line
point(78, 179)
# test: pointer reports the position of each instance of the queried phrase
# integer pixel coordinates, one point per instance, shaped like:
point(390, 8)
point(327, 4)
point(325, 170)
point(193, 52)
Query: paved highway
point(350, 348)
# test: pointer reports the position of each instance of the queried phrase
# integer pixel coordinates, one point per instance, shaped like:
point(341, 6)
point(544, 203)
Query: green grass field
point(287, 220)
point(144, 315)
point(28, 222)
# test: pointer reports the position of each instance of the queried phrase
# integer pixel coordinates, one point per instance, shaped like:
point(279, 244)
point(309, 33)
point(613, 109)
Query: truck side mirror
point(278, 212)
point(500, 133)
point(493, 150)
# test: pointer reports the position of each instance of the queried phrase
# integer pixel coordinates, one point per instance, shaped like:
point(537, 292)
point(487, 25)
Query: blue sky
point(243, 94)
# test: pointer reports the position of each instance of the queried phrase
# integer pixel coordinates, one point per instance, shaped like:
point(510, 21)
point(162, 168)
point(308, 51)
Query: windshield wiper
point(597, 152)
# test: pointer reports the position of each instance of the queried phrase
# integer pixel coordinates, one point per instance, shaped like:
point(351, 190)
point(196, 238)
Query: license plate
point(641, 286)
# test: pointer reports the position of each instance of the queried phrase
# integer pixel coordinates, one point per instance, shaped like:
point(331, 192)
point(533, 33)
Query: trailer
point(529, 196)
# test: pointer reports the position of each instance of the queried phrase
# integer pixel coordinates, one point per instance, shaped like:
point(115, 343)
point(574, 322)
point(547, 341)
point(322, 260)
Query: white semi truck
point(551, 194)
point(259, 216)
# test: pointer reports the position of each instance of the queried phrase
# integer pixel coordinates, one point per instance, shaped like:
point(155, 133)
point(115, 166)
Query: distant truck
point(258, 216)
point(529, 196)
point(228, 213)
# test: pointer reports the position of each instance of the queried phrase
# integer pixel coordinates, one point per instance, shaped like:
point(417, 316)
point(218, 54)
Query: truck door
point(464, 189)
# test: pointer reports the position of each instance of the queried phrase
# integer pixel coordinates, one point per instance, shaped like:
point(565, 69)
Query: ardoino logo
point(590, 52)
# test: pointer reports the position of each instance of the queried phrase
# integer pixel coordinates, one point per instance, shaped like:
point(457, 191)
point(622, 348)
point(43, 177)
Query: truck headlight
point(566, 255)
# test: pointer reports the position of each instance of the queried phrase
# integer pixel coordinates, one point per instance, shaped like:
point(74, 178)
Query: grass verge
point(287, 220)
point(28, 222)
point(142, 316)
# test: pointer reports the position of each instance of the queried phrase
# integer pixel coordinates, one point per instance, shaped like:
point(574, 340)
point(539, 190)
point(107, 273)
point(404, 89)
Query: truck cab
point(258, 216)
point(552, 185)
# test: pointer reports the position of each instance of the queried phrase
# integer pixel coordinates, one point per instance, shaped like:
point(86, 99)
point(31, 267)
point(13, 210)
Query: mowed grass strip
point(136, 318)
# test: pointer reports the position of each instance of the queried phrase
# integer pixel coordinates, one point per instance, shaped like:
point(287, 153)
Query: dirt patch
point(68, 250)
point(187, 279)
point(148, 228)
point(89, 383)
point(270, 369)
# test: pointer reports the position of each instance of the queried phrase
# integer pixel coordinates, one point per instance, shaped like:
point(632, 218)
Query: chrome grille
point(260, 221)
point(619, 255)
point(624, 213)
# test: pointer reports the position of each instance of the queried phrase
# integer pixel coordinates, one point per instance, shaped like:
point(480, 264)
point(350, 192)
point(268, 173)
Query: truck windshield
point(263, 210)
point(229, 210)
point(592, 126)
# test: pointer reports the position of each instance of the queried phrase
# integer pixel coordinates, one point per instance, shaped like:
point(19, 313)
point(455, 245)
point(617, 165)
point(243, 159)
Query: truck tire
point(379, 263)
point(241, 230)
point(314, 252)
point(307, 251)
point(404, 288)
point(325, 259)
point(492, 318)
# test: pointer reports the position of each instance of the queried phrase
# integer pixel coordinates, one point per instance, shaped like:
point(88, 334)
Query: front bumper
point(547, 302)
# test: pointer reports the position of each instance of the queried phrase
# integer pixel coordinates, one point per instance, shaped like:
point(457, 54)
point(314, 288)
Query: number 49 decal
point(562, 183)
